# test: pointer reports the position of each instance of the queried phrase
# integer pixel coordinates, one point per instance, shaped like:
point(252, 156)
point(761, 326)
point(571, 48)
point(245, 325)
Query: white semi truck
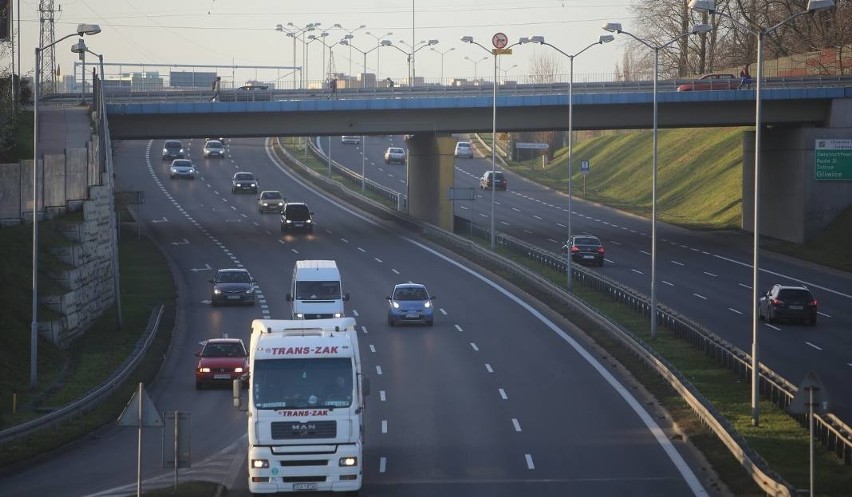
point(305, 406)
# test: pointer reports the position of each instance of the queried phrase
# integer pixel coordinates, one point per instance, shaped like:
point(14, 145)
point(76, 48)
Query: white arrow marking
point(205, 268)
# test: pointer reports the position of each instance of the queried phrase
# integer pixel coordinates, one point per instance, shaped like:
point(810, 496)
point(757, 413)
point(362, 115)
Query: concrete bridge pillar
point(431, 171)
point(794, 205)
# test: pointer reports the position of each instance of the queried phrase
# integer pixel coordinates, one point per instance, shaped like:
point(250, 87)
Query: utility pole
point(48, 57)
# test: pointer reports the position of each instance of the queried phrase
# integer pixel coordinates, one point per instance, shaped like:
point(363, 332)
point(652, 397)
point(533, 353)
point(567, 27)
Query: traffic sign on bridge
point(833, 160)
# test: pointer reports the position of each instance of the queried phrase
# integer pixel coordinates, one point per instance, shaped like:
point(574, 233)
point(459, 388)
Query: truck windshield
point(317, 290)
point(302, 383)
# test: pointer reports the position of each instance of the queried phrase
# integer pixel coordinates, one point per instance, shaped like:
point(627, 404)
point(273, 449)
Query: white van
point(316, 291)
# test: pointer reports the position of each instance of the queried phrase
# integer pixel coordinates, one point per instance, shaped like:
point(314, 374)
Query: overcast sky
point(242, 32)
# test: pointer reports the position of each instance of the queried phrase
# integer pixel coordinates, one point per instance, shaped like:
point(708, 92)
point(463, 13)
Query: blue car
point(410, 303)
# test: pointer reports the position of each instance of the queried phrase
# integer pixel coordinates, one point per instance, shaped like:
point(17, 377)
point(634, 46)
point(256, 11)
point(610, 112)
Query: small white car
point(182, 168)
point(464, 149)
point(395, 154)
point(352, 140)
point(214, 148)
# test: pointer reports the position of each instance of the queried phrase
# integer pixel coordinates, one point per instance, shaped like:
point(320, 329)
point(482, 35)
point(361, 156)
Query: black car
point(497, 177)
point(233, 286)
point(296, 216)
point(173, 149)
point(244, 182)
point(788, 302)
point(585, 249)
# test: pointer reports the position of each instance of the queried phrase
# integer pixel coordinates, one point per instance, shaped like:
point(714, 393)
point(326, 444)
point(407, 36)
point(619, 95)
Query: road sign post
point(810, 394)
point(584, 168)
point(833, 160)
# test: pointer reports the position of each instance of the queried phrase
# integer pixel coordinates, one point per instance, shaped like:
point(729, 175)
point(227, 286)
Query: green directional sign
point(833, 160)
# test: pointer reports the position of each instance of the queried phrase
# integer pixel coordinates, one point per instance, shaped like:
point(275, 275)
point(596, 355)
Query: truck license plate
point(304, 486)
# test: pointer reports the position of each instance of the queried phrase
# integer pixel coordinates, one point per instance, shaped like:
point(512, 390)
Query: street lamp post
point(350, 33)
point(295, 32)
point(697, 29)
point(82, 29)
point(710, 7)
point(414, 49)
point(506, 72)
point(320, 39)
point(378, 42)
point(495, 52)
point(475, 63)
point(442, 53)
point(540, 40)
point(384, 43)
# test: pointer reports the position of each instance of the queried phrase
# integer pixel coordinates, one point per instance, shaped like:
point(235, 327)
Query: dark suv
point(788, 302)
point(497, 177)
point(173, 149)
point(295, 216)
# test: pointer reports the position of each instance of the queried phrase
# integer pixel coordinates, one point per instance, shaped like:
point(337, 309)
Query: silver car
point(182, 168)
point(395, 154)
point(270, 201)
point(214, 148)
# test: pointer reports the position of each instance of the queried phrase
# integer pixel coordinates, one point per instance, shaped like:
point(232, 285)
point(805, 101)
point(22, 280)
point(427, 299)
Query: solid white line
point(488, 368)
point(503, 394)
point(807, 283)
point(474, 347)
point(516, 424)
point(383, 463)
point(378, 370)
point(384, 426)
point(809, 344)
point(530, 464)
point(459, 328)
point(734, 310)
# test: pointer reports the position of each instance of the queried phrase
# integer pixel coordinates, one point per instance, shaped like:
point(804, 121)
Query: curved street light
point(296, 32)
point(414, 49)
point(442, 53)
point(709, 7)
point(379, 42)
point(615, 27)
point(82, 29)
point(350, 33)
point(475, 63)
point(540, 40)
point(495, 52)
point(384, 43)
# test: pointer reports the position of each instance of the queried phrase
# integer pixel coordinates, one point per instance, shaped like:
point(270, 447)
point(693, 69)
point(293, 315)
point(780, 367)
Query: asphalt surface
point(495, 399)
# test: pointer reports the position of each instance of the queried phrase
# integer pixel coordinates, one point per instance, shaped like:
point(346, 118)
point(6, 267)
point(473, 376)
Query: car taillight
point(776, 302)
point(812, 303)
point(601, 250)
point(574, 249)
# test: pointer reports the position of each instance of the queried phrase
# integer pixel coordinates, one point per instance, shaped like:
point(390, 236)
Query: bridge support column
point(431, 164)
point(794, 205)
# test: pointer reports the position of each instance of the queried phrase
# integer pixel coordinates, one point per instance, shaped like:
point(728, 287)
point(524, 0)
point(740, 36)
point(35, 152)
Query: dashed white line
point(637, 271)
point(529, 459)
point(395, 271)
point(645, 252)
point(773, 327)
point(372, 348)
point(677, 263)
point(744, 286)
point(442, 311)
point(383, 463)
point(668, 283)
point(382, 396)
point(378, 370)
point(384, 426)
point(364, 330)
point(362, 250)
point(702, 297)
point(377, 260)
point(503, 394)
point(516, 424)
point(734, 310)
point(489, 368)
point(474, 347)
point(459, 328)
point(711, 274)
point(344, 240)
point(809, 344)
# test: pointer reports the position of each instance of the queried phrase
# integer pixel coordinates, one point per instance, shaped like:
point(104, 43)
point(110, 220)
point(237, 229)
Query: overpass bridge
point(795, 205)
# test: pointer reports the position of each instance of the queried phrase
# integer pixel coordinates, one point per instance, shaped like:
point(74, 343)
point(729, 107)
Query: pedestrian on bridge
point(217, 86)
point(332, 85)
point(745, 77)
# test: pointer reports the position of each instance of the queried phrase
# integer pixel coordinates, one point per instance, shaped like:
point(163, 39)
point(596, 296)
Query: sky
point(227, 33)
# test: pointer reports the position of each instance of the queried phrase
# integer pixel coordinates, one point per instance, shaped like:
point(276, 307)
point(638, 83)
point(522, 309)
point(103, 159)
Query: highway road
point(498, 398)
point(704, 275)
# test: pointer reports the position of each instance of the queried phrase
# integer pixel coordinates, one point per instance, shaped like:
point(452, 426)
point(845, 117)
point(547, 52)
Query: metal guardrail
point(95, 396)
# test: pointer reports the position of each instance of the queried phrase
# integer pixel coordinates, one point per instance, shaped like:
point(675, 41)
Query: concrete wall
point(794, 206)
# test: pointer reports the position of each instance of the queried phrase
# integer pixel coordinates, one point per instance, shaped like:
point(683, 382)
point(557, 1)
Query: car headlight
point(250, 290)
point(308, 221)
point(238, 370)
point(181, 150)
point(259, 463)
point(395, 304)
point(253, 185)
point(216, 291)
point(288, 221)
point(299, 315)
point(338, 314)
point(280, 204)
point(203, 370)
point(348, 461)
point(428, 304)
point(165, 151)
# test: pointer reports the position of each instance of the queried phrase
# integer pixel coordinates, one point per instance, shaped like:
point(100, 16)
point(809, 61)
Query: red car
point(220, 360)
point(712, 82)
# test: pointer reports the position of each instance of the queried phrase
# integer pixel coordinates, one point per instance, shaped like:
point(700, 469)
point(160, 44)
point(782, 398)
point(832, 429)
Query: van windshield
point(317, 290)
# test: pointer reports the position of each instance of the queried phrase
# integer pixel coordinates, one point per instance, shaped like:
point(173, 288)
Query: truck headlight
point(216, 291)
point(259, 463)
point(348, 461)
point(203, 370)
point(338, 314)
point(238, 370)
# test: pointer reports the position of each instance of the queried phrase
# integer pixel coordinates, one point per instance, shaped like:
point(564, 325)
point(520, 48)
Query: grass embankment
point(67, 374)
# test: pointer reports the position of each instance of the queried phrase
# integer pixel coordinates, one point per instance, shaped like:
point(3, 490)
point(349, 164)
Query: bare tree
point(545, 66)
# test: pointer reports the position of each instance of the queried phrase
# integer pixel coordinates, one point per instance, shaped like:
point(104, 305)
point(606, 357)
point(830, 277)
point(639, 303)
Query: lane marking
point(459, 328)
point(734, 310)
point(489, 368)
point(382, 395)
point(382, 464)
point(637, 271)
point(809, 344)
point(806, 283)
point(529, 460)
point(711, 274)
point(378, 370)
point(503, 394)
point(474, 347)
point(668, 283)
point(678, 263)
point(372, 348)
point(516, 424)
point(384, 426)
point(702, 297)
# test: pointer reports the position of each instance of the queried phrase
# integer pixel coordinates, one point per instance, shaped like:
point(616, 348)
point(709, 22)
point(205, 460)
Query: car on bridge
point(244, 181)
point(495, 178)
point(173, 149)
point(395, 154)
point(233, 286)
point(270, 201)
point(792, 302)
point(349, 139)
point(221, 361)
point(410, 303)
point(585, 249)
point(717, 81)
point(182, 168)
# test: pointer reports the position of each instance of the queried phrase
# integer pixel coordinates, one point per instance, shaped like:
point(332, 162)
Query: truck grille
point(295, 430)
